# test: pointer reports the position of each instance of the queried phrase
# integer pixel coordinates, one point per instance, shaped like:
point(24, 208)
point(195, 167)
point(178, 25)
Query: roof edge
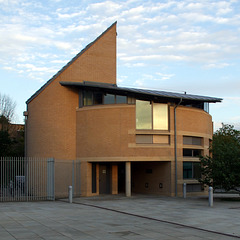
point(148, 92)
point(68, 64)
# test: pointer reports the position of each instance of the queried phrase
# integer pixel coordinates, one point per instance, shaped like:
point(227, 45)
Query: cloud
point(217, 65)
point(165, 76)
point(149, 32)
point(33, 68)
point(153, 57)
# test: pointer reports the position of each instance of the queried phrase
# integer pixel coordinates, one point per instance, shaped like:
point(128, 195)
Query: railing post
point(50, 179)
point(210, 196)
point(70, 194)
point(184, 190)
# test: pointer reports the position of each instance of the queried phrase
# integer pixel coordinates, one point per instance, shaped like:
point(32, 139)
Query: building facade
point(127, 140)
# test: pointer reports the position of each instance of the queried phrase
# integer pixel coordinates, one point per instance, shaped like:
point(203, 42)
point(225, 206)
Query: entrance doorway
point(104, 178)
point(121, 177)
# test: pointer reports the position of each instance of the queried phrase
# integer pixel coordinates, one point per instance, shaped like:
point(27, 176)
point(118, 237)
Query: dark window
point(121, 99)
point(194, 188)
point(191, 170)
point(192, 140)
point(191, 152)
point(87, 98)
point(97, 98)
point(109, 99)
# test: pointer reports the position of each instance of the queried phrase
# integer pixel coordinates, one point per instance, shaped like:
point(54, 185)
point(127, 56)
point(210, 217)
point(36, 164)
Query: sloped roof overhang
point(141, 93)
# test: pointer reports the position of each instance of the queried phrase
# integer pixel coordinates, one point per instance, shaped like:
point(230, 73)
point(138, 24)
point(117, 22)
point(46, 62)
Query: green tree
point(221, 169)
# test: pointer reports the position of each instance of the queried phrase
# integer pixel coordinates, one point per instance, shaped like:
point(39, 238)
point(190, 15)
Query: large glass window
point(160, 116)
point(151, 115)
point(143, 115)
point(191, 170)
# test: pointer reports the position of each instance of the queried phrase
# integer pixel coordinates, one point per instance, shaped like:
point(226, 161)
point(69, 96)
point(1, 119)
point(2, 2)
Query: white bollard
point(210, 196)
point(184, 190)
point(70, 194)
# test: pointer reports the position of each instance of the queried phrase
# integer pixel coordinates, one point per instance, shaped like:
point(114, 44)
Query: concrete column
point(128, 179)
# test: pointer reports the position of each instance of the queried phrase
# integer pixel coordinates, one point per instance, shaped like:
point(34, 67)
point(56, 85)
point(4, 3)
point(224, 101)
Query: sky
point(180, 46)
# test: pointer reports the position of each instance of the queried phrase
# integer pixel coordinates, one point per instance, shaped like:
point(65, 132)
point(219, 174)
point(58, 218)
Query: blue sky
point(191, 46)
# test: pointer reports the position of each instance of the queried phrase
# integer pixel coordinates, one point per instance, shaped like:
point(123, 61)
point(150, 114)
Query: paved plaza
point(118, 217)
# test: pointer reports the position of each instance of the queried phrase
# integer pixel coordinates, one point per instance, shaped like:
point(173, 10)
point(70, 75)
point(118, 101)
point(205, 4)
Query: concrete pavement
point(118, 217)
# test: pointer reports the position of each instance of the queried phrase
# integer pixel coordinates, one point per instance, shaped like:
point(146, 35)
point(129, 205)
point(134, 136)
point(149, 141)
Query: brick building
point(128, 140)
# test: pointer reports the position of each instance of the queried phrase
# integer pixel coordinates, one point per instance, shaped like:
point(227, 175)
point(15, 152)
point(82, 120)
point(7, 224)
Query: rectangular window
point(152, 139)
point(87, 98)
point(160, 116)
point(161, 139)
point(206, 107)
point(151, 115)
point(194, 188)
point(147, 139)
point(109, 99)
point(192, 140)
point(191, 152)
point(191, 170)
point(143, 115)
point(97, 98)
point(121, 99)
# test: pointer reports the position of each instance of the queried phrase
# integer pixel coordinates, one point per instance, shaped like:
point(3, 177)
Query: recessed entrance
point(121, 177)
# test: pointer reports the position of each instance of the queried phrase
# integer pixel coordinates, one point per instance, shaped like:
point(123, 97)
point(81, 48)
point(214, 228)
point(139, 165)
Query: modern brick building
point(128, 140)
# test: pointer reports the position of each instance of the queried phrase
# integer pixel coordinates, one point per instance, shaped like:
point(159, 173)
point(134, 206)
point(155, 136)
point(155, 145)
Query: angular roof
point(141, 92)
point(67, 65)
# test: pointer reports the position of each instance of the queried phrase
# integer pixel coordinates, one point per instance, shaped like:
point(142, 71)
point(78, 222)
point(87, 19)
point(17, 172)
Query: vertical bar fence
point(36, 179)
point(26, 179)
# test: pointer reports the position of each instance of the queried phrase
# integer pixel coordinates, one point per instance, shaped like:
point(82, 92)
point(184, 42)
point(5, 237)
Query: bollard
point(70, 194)
point(210, 196)
point(184, 190)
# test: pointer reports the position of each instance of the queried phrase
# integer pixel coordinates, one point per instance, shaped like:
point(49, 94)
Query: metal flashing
point(142, 92)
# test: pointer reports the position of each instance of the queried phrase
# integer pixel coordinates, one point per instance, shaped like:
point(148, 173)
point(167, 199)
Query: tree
point(7, 107)
point(221, 169)
point(11, 139)
point(5, 140)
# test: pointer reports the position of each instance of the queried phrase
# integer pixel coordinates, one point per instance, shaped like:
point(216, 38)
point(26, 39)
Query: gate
point(27, 179)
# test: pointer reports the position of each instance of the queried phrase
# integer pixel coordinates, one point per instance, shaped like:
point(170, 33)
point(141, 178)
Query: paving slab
point(118, 217)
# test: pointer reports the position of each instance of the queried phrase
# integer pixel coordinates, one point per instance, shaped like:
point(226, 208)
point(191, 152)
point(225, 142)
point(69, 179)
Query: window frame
point(193, 170)
point(84, 98)
point(152, 116)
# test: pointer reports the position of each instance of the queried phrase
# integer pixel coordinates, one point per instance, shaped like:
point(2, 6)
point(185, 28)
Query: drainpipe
point(25, 114)
point(175, 144)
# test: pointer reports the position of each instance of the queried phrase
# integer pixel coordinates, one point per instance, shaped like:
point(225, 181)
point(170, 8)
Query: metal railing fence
point(35, 179)
point(26, 179)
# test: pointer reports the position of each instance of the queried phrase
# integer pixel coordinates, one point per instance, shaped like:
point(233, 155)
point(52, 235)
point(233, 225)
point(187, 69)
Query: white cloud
point(153, 57)
point(165, 76)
